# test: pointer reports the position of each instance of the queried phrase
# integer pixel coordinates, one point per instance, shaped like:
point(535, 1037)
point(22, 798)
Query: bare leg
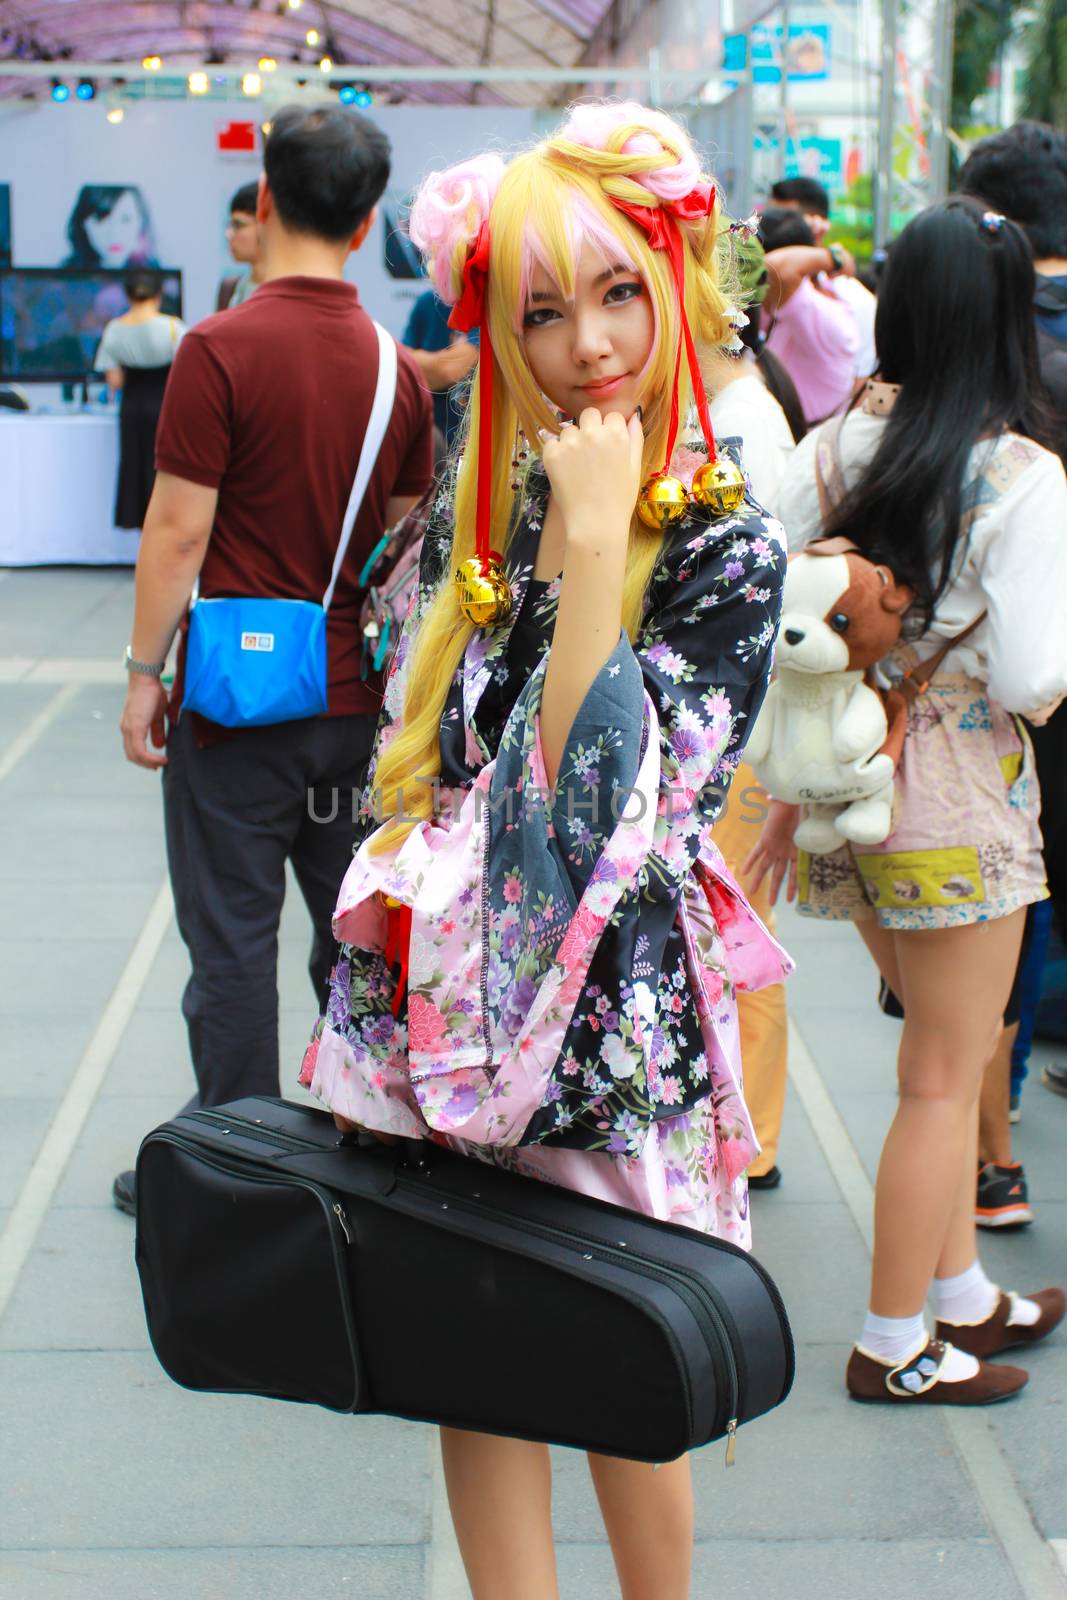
point(500, 1497)
point(954, 985)
point(960, 1249)
point(994, 1129)
point(649, 1518)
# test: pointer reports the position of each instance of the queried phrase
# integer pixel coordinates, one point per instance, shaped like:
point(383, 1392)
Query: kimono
point(573, 952)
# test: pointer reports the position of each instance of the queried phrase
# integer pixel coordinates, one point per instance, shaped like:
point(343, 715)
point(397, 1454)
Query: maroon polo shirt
point(268, 403)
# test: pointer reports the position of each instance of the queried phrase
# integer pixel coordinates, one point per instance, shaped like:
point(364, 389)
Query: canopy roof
point(520, 34)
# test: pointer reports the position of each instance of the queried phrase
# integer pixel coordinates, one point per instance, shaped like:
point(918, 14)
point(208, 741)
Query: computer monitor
point(5, 224)
point(52, 318)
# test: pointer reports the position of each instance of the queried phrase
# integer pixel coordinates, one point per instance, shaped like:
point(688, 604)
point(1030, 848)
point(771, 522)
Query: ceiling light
point(60, 91)
point(312, 37)
point(115, 115)
point(364, 98)
point(251, 83)
point(294, 5)
point(326, 64)
point(86, 89)
point(152, 63)
point(198, 83)
point(265, 128)
point(267, 64)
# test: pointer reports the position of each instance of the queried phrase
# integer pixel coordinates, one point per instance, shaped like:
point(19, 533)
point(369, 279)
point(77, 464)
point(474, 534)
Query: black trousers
point(235, 813)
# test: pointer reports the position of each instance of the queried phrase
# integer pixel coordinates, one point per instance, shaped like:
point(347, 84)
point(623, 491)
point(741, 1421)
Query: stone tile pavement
point(117, 1485)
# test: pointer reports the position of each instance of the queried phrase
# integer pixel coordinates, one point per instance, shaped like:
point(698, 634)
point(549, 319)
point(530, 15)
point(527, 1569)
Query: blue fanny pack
point(251, 661)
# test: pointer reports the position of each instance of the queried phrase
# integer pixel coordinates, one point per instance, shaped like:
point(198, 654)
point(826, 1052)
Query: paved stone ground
point(117, 1485)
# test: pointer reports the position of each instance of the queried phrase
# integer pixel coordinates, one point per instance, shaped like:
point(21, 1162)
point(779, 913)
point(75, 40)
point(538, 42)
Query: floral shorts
point(965, 845)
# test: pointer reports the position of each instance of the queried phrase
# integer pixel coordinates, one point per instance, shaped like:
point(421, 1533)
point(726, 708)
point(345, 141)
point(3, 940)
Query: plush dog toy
point(825, 738)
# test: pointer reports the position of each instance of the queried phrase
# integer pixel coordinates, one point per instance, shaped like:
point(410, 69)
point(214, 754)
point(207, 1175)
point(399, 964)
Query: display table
point(57, 491)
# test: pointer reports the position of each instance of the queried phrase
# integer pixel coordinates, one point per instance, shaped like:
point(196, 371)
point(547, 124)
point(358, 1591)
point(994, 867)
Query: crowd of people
point(586, 618)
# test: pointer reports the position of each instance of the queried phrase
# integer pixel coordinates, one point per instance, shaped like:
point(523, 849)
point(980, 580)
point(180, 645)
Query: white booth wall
point(57, 473)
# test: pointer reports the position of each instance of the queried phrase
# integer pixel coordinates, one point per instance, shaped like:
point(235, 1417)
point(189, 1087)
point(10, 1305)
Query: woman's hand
point(355, 1127)
point(594, 468)
point(775, 853)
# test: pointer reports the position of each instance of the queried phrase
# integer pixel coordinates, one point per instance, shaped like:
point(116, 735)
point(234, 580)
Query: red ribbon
point(398, 949)
point(660, 226)
point(467, 313)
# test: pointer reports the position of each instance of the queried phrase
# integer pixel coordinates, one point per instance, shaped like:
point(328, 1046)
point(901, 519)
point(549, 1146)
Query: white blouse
point(1013, 563)
point(746, 409)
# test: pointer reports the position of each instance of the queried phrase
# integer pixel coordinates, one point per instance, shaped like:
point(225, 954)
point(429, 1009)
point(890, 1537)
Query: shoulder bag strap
point(916, 680)
point(380, 414)
point(829, 479)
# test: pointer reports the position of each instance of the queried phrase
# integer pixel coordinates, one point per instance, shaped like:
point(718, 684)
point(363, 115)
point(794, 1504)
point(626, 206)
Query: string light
point(152, 63)
point(115, 115)
point(198, 83)
point(312, 37)
point(326, 64)
point(251, 83)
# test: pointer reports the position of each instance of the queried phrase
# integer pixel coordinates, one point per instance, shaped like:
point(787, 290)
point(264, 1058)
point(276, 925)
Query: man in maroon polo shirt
point(257, 448)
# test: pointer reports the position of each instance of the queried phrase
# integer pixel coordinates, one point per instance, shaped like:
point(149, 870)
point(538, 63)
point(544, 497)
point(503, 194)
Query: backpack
point(391, 576)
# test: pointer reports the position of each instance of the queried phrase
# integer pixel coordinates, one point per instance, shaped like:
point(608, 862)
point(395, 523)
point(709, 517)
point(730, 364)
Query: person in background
point(807, 327)
point(443, 356)
point(242, 236)
point(1022, 172)
point(809, 197)
point(135, 355)
point(943, 477)
point(753, 398)
point(261, 433)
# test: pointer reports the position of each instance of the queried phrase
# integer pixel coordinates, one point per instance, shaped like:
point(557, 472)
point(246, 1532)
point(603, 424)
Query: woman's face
point(116, 237)
point(590, 351)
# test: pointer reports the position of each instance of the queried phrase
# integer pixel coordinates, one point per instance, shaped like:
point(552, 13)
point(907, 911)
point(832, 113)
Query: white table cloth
point(57, 491)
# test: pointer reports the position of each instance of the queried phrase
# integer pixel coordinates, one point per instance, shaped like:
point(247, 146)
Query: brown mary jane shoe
point(918, 1380)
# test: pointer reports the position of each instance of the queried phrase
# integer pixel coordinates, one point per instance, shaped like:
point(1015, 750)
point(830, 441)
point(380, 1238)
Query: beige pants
point(762, 1015)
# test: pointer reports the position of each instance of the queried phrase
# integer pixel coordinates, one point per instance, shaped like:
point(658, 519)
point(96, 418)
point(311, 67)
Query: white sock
point(968, 1298)
point(893, 1338)
point(896, 1339)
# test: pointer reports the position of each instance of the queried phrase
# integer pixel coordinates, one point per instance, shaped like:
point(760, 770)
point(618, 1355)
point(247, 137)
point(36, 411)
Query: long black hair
point(774, 375)
point(955, 328)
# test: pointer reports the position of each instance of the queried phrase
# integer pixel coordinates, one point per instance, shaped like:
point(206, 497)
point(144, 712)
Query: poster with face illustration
point(110, 226)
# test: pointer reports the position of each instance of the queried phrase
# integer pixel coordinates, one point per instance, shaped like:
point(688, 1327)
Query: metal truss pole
point(883, 178)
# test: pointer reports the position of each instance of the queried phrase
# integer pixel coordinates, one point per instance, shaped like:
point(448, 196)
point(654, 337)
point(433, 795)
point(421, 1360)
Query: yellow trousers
point(762, 1015)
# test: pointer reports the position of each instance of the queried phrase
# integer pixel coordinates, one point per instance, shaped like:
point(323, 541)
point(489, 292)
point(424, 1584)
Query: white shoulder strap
point(380, 414)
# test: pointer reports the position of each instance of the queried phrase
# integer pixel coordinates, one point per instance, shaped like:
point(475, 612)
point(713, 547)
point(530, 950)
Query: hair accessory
point(719, 486)
point(483, 590)
point(992, 221)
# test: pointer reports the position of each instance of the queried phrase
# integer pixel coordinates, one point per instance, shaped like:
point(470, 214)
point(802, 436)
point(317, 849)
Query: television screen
point(52, 318)
point(5, 224)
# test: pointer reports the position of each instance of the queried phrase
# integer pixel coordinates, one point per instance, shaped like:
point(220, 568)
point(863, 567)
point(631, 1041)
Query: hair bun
point(597, 126)
point(446, 215)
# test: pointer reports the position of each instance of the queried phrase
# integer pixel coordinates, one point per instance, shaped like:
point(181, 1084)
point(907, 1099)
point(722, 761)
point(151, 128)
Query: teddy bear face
point(840, 613)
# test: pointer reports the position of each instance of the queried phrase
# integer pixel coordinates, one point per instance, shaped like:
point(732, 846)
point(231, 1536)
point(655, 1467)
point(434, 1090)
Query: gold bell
point(663, 501)
point(720, 486)
point(484, 598)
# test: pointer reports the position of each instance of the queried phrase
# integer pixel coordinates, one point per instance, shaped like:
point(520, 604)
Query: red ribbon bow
point(467, 313)
point(660, 226)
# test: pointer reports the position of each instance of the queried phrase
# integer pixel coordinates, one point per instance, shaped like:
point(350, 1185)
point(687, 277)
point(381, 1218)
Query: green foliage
point(983, 28)
point(853, 219)
point(1046, 68)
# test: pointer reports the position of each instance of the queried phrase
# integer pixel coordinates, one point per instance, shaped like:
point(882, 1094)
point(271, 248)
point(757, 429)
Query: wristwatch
point(148, 669)
point(837, 256)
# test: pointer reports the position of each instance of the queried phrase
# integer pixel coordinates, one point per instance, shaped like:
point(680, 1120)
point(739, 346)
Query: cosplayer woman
point(941, 474)
point(548, 983)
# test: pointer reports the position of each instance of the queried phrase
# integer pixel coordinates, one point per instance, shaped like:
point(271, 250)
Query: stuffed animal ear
point(895, 596)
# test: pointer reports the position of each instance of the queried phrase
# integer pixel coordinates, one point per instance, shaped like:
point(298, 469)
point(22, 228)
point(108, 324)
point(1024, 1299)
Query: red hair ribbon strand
point(467, 313)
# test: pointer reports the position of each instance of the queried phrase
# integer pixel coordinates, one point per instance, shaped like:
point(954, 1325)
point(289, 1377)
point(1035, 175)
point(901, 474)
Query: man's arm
point(442, 368)
point(176, 533)
point(789, 266)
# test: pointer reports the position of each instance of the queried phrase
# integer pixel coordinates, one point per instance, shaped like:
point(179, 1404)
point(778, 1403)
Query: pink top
point(814, 336)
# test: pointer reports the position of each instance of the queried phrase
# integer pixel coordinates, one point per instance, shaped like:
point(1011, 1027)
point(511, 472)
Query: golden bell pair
point(718, 486)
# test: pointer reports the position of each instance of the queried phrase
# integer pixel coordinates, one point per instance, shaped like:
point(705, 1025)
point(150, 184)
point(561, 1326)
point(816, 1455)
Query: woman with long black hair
point(945, 473)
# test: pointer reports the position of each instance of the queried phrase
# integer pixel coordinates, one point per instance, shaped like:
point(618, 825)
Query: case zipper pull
point(731, 1441)
point(343, 1220)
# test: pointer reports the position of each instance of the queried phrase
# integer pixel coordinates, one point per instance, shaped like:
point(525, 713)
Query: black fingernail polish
point(640, 413)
